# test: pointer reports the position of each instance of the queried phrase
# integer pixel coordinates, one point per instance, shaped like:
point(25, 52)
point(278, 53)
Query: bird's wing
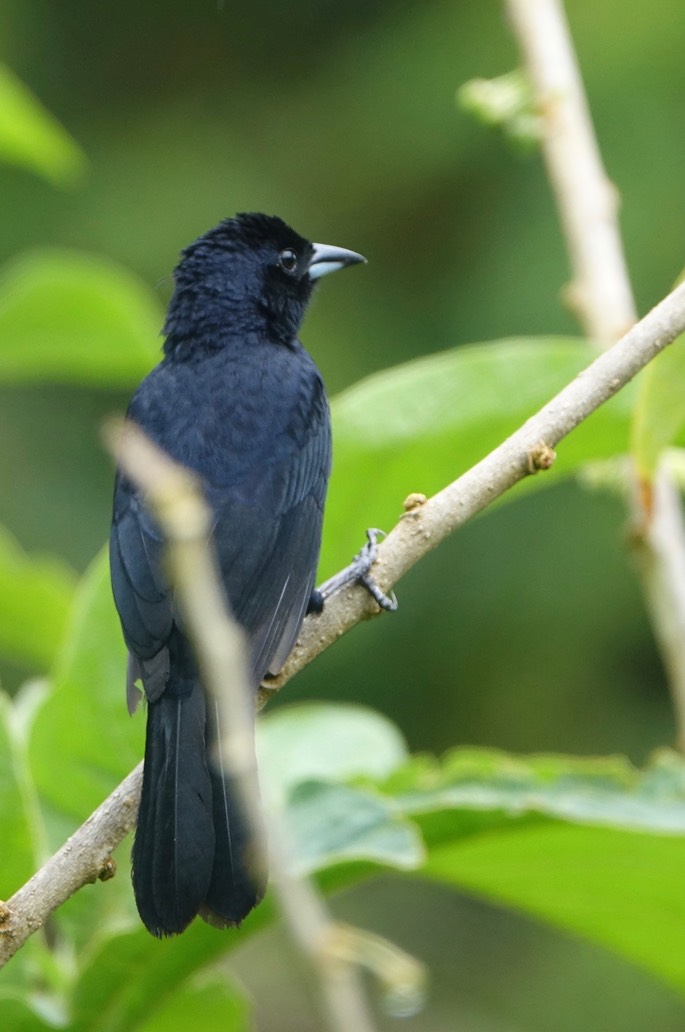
point(141, 595)
point(267, 534)
point(267, 538)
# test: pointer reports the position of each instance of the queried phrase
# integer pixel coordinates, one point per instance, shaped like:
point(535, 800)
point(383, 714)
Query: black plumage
point(237, 399)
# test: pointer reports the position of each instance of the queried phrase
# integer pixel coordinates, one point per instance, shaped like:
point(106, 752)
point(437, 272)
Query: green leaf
point(75, 318)
point(305, 752)
point(505, 102)
point(207, 1004)
point(659, 418)
point(19, 1016)
point(659, 413)
point(35, 594)
point(323, 741)
point(606, 791)
point(83, 742)
point(330, 824)
point(621, 890)
point(592, 846)
point(420, 425)
point(143, 975)
point(31, 138)
point(17, 856)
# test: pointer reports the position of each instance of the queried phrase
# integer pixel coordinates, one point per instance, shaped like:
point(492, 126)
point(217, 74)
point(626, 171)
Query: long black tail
point(193, 851)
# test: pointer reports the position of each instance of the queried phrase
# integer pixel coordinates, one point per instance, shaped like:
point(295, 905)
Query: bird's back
point(255, 427)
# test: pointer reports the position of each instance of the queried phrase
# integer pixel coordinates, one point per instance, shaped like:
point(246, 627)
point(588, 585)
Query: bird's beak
point(327, 258)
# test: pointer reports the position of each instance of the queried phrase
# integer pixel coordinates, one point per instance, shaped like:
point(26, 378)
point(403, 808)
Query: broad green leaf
point(317, 741)
point(659, 417)
point(331, 824)
point(305, 752)
point(592, 846)
point(204, 1004)
point(618, 889)
point(75, 318)
point(35, 595)
point(83, 740)
point(420, 425)
point(143, 974)
point(32, 138)
point(604, 791)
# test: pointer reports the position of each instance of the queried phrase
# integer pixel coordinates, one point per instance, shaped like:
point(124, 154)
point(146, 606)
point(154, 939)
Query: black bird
point(237, 399)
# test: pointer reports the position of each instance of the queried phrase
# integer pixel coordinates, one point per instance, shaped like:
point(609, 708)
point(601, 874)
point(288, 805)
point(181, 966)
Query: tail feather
point(239, 872)
point(174, 844)
point(193, 850)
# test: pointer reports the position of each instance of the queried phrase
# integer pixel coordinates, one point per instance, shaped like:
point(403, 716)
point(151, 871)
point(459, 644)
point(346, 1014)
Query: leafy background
point(546, 900)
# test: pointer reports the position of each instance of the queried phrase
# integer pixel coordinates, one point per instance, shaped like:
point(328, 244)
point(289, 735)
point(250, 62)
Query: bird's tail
point(239, 877)
point(193, 851)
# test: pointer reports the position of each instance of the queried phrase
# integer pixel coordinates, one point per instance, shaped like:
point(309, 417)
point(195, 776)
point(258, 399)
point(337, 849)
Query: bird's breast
point(234, 415)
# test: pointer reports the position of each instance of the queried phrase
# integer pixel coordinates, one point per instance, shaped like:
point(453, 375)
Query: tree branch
point(587, 201)
point(84, 857)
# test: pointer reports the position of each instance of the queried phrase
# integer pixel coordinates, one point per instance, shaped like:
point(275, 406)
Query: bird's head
point(251, 273)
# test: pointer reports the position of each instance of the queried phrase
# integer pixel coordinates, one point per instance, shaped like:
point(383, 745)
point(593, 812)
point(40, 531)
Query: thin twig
point(600, 292)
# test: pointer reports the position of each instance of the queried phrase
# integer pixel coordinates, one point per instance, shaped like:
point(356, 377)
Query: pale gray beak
point(327, 258)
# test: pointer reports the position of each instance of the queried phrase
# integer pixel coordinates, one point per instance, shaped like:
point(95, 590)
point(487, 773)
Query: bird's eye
point(288, 260)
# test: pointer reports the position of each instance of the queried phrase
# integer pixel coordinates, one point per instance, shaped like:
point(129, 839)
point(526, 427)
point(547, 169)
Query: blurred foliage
point(32, 138)
point(34, 599)
point(526, 632)
point(505, 102)
point(75, 318)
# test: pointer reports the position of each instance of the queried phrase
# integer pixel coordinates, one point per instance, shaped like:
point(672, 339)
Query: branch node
point(5, 916)
point(540, 457)
point(108, 869)
point(413, 502)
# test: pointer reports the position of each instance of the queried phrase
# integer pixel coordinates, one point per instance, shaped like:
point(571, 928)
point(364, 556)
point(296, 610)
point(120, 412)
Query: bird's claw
point(359, 571)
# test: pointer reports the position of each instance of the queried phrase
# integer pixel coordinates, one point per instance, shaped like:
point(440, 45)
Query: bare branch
point(83, 858)
point(600, 292)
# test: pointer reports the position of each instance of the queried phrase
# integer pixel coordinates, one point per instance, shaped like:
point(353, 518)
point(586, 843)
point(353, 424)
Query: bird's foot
point(358, 572)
